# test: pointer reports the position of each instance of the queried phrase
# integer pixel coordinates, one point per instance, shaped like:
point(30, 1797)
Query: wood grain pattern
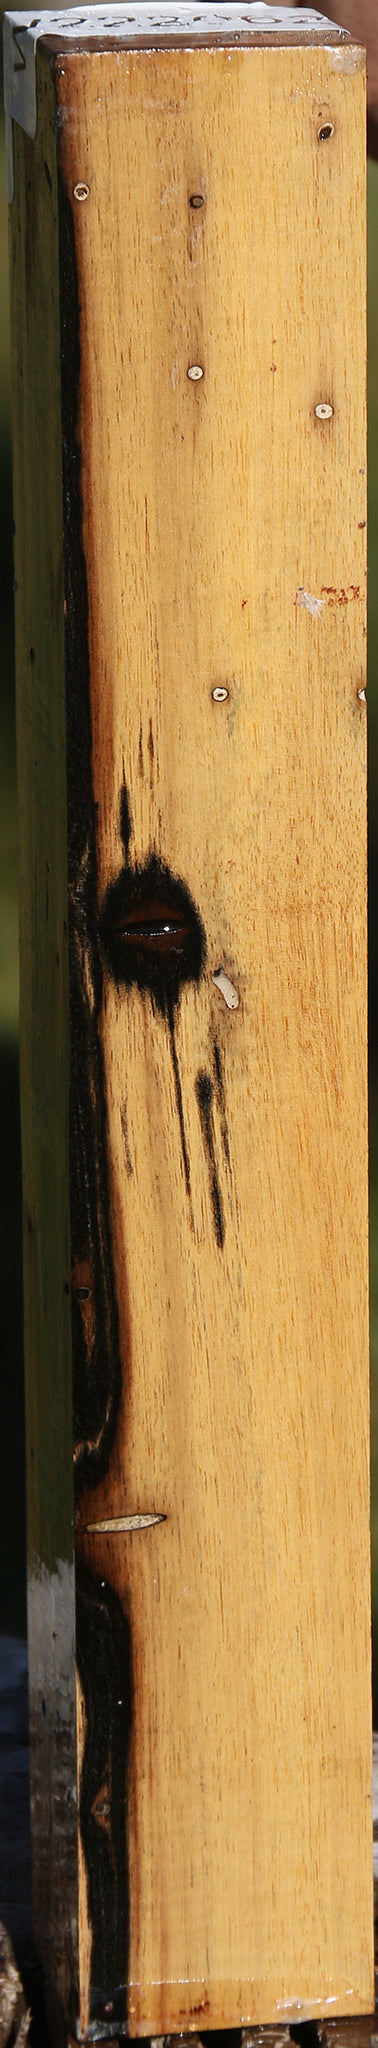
point(213, 533)
point(212, 511)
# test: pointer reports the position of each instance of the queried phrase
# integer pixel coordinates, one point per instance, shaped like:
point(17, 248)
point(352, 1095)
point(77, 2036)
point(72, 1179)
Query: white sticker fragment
point(226, 988)
point(315, 605)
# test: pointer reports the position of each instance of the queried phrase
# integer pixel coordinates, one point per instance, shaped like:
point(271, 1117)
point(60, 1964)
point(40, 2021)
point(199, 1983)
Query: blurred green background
point(12, 1501)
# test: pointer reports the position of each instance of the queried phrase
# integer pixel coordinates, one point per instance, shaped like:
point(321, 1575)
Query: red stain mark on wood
point(334, 597)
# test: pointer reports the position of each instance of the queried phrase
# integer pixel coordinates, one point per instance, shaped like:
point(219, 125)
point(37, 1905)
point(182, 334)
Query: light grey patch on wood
point(304, 600)
point(351, 58)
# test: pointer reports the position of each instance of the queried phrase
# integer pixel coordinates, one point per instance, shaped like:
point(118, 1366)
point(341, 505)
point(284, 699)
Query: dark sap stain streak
point(96, 1367)
point(204, 1093)
point(126, 1144)
point(102, 1639)
point(179, 1101)
point(104, 1665)
point(221, 1099)
point(153, 938)
point(125, 825)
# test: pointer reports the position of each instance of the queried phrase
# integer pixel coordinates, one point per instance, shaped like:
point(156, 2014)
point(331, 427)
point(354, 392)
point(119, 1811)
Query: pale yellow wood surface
point(209, 509)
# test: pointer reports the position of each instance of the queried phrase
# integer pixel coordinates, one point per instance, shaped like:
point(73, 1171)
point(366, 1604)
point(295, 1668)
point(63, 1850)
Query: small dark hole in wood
point(196, 200)
point(152, 934)
point(32, 654)
point(43, 1706)
point(48, 176)
point(83, 1293)
point(150, 931)
point(324, 135)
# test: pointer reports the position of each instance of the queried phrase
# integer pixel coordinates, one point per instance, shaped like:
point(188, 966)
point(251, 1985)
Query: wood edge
point(40, 680)
point(57, 45)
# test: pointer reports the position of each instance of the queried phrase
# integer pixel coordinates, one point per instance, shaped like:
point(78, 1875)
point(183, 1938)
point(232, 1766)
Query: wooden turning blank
point(214, 200)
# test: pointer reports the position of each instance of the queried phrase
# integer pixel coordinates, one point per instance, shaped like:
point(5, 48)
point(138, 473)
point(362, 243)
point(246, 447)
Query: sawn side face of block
point(190, 563)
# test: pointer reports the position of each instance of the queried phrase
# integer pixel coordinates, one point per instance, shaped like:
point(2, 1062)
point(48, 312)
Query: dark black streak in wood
point(150, 744)
point(179, 1100)
point(104, 1664)
point(125, 819)
point(205, 1093)
point(126, 1142)
point(96, 1362)
point(102, 1630)
point(221, 1100)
